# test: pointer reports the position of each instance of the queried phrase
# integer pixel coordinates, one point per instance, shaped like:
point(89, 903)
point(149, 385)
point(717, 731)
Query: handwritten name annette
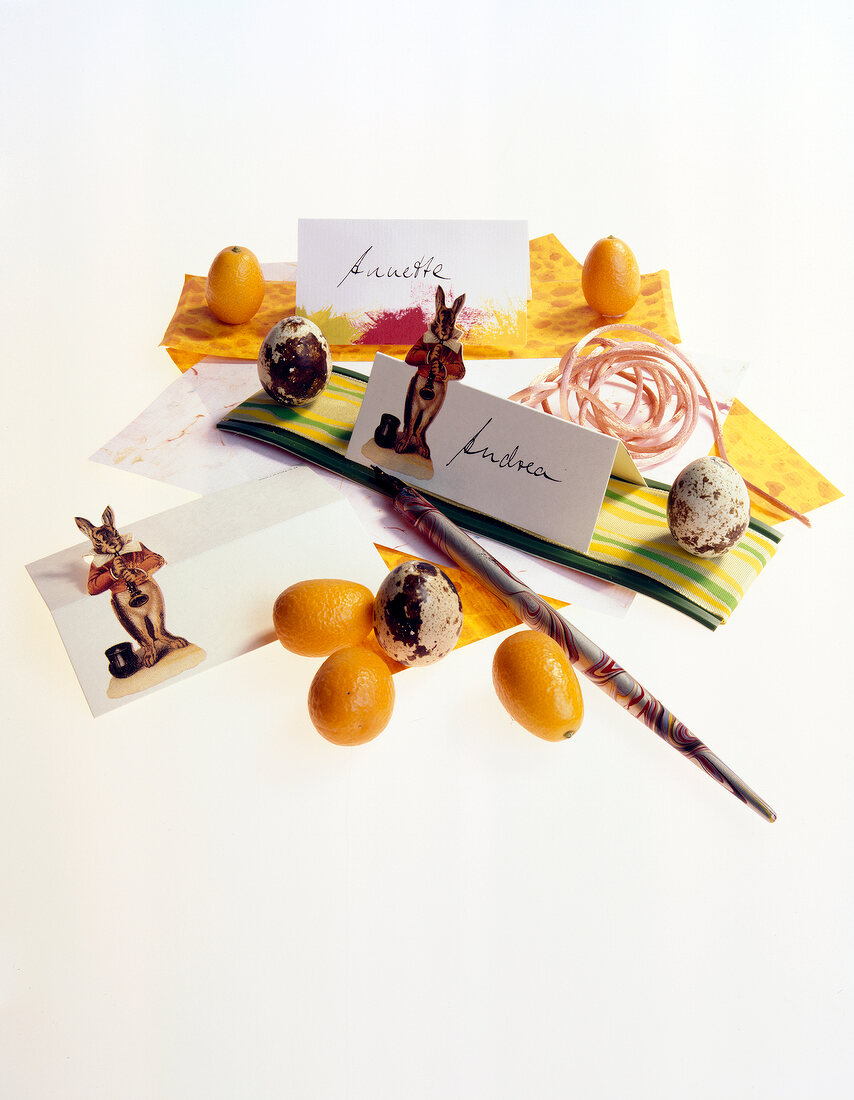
point(411, 271)
point(507, 461)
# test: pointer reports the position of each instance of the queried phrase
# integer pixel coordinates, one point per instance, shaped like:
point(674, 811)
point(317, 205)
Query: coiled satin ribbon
point(665, 406)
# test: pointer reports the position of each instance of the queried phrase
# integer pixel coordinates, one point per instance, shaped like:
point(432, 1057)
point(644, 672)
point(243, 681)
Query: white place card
point(227, 558)
point(374, 282)
point(519, 465)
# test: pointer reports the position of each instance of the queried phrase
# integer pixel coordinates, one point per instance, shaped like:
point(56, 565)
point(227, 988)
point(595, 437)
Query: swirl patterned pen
point(585, 654)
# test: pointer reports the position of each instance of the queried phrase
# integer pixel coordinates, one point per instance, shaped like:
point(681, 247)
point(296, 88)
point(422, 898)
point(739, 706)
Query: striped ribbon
point(631, 539)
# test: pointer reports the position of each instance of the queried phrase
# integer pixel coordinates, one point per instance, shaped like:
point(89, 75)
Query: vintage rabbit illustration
point(439, 359)
point(122, 566)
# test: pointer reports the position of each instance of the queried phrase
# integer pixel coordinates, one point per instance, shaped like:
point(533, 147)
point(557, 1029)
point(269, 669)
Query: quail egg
point(294, 363)
point(418, 615)
point(708, 507)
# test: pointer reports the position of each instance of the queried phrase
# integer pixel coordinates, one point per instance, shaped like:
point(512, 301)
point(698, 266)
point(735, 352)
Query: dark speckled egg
point(294, 363)
point(418, 615)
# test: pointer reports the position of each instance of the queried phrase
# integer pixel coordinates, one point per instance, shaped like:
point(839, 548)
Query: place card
point(534, 471)
point(220, 563)
point(374, 282)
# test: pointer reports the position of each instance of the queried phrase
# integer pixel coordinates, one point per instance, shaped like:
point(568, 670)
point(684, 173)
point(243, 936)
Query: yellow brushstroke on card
point(338, 328)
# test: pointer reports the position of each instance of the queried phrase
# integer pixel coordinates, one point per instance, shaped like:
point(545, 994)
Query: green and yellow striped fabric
point(631, 544)
point(328, 420)
point(632, 532)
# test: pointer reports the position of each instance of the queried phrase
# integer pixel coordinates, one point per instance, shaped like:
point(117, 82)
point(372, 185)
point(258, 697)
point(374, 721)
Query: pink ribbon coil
point(668, 392)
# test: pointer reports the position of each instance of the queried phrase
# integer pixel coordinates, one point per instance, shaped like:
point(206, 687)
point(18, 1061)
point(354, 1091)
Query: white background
point(201, 898)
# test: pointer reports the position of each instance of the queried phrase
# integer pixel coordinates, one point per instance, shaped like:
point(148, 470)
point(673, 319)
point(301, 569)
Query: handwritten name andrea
point(508, 461)
point(423, 267)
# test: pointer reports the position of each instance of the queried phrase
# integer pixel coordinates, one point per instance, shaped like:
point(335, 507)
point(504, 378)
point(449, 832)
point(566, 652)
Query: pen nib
point(386, 481)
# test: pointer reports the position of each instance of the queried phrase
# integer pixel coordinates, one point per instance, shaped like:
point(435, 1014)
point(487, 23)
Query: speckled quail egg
point(708, 507)
point(294, 363)
point(418, 615)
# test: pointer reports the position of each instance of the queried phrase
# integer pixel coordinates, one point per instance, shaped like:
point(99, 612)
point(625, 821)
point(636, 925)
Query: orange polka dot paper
point(766, 459)
point(194, 332)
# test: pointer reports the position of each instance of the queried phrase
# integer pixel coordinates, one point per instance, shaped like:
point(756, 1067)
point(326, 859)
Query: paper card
point(374, 282)
point(534, 471)
point(227, 558)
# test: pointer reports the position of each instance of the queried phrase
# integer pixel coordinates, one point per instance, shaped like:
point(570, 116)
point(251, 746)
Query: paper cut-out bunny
point(123, 566)
point(438, 355)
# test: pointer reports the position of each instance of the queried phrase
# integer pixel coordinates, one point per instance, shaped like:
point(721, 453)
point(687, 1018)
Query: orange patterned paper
point(194, 332)
point(558, 316)
point(763, 457)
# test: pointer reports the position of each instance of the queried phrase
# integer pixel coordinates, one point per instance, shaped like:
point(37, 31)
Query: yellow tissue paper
point(763, 457)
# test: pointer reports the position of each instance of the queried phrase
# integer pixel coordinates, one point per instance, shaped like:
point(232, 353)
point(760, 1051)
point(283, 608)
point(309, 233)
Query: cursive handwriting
point(507, 461)
point(411, 271)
